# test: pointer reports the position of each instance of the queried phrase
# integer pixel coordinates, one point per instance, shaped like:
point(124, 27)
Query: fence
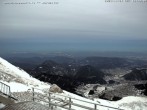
point(57, 100)
point(5, 89)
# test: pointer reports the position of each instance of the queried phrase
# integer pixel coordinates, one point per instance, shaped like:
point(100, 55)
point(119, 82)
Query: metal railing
point(58, 100)
point(5, 89)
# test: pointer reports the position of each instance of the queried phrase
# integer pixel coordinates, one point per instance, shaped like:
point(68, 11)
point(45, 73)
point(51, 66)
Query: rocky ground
point(115, 91)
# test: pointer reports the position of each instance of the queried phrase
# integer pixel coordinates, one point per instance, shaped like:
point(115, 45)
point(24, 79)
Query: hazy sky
point(73, 25)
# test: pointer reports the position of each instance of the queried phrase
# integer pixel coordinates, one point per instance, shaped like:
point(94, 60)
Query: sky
point(72, 25)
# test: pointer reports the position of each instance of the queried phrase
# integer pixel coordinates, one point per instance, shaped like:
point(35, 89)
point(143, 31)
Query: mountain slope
point(18, 79)
point(137, 74)
point(11, 74)
point(68, 77)
point(89, 74)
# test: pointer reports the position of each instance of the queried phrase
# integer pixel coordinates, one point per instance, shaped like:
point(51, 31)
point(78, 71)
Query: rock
point(116, 98)
point(56, 89)
point(100, 89)
point(106, 96)
point(91, 92)
point(145, 92)
point(111, 82)
point(142, 88)
point(110, 97)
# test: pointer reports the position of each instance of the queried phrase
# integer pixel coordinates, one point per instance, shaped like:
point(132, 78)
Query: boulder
point(109, 96)
point(56, 89)
point(91, 92)
point(100, 89)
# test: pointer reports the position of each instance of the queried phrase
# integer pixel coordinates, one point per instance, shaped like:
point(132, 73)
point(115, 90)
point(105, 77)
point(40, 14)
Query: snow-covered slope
point(128, 103)
point(18, 78)
point(133, 103)
point(20, 81)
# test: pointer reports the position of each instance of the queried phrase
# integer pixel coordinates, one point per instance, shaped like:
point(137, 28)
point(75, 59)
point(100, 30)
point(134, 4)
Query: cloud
point(73, 20)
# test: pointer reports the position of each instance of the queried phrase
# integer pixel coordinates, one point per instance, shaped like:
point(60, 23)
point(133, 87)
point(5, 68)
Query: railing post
point(4, 89)
point(33, 94)
point(49, 99)
point(1, 87)
point(95, 107)
point(69, 103)
point(9, 91)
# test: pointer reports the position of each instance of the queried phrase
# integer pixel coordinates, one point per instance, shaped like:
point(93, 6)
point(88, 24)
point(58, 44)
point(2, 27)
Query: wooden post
point(33, 94)
point(69, 103)
point(95, 107)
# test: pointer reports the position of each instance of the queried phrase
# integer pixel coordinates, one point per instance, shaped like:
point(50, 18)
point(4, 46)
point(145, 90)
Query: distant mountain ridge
point(89, 74)
point(112, 62)
point(28, 63)
point(137, 74)
point(67, 77)
point(53, 68)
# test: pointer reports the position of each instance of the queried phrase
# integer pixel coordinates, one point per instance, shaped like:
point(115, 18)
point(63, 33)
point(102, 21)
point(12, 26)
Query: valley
point(110, 78)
